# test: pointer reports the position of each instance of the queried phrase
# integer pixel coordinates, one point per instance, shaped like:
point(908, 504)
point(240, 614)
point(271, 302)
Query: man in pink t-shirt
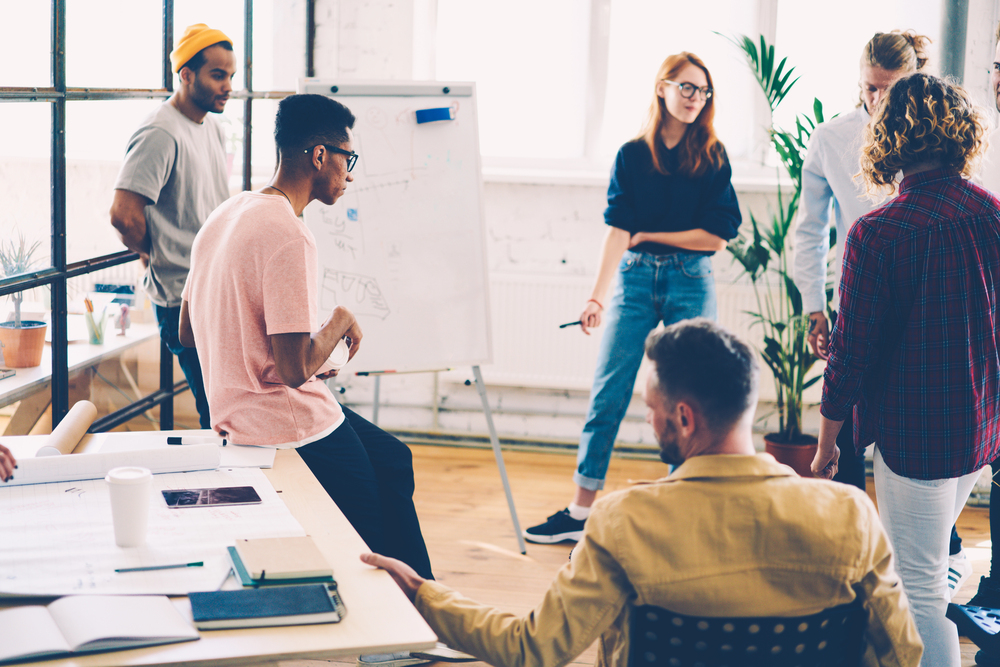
point(250, 303)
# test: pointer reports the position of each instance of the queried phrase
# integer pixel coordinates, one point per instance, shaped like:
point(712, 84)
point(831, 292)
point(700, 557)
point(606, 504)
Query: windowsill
point(746, 178)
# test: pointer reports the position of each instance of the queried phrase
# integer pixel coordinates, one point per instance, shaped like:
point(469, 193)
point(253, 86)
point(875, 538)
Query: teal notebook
point(244, 576)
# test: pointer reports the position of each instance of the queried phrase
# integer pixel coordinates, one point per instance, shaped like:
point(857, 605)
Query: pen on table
point(193, 440)
point(159, 567)
point(570, 324)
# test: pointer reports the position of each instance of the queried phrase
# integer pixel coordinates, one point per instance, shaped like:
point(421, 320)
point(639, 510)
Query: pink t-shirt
point(253, 275)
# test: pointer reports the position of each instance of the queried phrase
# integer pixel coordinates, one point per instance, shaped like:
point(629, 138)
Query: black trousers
point(369, 474)
point(850, 465)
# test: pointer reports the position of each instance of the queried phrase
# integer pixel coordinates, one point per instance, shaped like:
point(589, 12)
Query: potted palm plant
point(764, 258)
point(22, 340)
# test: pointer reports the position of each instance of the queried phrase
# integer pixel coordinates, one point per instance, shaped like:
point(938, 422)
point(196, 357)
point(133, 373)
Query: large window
point(70, 98)
point(565, 83)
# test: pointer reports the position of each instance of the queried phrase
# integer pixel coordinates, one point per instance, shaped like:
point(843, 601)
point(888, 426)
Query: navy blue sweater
point(641, 199)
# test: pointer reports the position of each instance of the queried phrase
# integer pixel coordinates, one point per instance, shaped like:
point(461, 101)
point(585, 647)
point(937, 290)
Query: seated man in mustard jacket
point(729, 533)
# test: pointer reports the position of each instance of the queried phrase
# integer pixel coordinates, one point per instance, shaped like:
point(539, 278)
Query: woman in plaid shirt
point(915, 348)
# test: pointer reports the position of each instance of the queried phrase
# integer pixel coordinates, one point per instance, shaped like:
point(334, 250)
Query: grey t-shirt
point(181, 166)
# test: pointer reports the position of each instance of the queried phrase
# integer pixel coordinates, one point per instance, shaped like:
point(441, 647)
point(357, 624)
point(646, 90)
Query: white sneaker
point(959, 571)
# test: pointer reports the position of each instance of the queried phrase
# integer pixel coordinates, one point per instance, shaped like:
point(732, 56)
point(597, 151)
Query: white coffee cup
point(130, 488)
point(340, 354)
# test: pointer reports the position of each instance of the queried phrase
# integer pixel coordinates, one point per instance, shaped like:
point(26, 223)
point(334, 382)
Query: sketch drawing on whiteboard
point(361, 294)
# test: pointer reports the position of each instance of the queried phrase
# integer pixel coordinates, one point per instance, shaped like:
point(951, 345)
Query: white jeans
point(918, 515)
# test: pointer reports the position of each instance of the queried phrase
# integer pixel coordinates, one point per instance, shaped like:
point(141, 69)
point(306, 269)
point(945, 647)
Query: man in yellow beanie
point(174, 175)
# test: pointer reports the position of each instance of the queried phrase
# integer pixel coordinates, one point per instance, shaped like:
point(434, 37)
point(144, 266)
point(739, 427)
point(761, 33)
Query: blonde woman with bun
point(915, 351)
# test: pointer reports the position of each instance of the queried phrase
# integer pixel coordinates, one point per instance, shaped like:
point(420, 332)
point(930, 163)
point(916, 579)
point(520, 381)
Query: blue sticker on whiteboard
point(352, 214)
point(430, 115)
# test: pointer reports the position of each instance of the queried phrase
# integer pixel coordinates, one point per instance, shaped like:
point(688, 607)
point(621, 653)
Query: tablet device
point(225, 495)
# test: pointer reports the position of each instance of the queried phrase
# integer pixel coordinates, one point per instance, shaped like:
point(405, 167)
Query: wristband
point(599, 304)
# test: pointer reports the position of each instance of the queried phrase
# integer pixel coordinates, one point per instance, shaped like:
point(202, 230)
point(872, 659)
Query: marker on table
point(570, 324)
point(193, 440)
point(159, 567)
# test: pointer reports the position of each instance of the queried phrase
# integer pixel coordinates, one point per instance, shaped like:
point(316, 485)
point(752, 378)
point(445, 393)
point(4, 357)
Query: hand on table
point(404, 575)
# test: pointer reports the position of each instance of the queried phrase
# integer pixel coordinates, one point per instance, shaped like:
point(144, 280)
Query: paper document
point(58, 538)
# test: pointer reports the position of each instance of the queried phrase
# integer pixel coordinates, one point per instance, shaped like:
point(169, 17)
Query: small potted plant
point(22, 340)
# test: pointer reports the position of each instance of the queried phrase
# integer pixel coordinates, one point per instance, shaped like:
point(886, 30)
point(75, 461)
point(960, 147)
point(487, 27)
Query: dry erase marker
point(193, 440)
point(570, 324)
point(159, 567)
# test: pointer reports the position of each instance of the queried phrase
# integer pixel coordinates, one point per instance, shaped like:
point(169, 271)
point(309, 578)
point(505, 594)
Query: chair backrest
point(831, 638)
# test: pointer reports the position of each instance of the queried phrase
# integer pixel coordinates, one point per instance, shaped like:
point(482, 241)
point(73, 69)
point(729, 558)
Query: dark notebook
point(276, 605)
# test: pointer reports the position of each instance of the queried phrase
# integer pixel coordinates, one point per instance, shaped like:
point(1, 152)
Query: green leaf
point(794, 297)
point(811, 382)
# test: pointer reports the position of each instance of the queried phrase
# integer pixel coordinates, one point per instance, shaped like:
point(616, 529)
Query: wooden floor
point(471, 541)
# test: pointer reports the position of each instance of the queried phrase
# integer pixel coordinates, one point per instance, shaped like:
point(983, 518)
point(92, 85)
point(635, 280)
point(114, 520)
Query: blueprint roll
point(71, 430)
point(49, 469)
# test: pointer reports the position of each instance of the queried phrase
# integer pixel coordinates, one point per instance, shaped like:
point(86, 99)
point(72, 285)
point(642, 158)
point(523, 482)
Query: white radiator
point(530, 350)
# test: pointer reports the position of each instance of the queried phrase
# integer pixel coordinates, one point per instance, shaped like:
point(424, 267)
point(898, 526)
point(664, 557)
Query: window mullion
point(57, 178)
point(597, 77)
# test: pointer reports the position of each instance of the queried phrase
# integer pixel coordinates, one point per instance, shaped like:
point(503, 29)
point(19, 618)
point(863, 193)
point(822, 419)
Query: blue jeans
point(168, 320)
point(648, 289)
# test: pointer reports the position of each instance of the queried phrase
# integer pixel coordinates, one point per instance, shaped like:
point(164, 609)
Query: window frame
point(60, 272)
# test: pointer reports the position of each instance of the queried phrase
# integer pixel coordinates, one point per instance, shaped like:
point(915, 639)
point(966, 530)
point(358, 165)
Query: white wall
point(533, 229)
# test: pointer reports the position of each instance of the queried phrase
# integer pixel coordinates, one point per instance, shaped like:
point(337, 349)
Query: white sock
point(578, 512)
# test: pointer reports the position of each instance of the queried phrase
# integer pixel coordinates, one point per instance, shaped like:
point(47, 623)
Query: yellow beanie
point(196, 38)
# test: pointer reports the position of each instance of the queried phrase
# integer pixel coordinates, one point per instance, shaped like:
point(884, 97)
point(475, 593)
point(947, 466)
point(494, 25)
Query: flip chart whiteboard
point(404, 247)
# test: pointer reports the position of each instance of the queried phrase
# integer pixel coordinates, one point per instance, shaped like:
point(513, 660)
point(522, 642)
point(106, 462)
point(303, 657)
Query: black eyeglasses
point(352, 157)
point(688, 90)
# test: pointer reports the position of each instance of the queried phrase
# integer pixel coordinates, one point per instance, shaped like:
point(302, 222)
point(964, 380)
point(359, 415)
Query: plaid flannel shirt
point(915, 346)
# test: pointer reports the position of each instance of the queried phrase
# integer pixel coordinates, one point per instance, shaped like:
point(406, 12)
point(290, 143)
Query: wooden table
point(380, 619)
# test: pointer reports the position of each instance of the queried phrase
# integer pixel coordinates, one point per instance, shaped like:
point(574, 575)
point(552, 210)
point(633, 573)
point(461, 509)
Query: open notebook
point(90, 623)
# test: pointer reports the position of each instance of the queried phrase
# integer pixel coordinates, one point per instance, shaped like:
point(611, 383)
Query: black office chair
point(982, 626)
point(831, 638)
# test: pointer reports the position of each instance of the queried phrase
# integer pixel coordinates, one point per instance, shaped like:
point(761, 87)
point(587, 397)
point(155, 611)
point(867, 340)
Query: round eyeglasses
point(688, 90)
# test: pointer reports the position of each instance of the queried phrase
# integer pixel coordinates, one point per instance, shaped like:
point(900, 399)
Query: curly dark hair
point(923, 119)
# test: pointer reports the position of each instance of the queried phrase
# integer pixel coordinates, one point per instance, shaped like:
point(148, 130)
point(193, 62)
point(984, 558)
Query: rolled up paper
point(71, 430)
point(96, 466)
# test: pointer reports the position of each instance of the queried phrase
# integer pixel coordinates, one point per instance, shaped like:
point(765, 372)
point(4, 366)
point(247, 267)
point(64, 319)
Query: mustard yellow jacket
point(721, 536)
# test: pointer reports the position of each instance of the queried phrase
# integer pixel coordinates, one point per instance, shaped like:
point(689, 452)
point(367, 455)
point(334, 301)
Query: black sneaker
point(557, 528)
point(988, 594)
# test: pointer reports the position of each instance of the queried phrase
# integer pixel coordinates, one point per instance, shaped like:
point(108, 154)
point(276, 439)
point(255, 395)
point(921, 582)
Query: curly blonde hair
point(924, 119)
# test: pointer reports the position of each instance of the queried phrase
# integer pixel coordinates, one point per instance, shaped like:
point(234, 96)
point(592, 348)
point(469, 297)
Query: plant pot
point(796, 455)
point(22, 346)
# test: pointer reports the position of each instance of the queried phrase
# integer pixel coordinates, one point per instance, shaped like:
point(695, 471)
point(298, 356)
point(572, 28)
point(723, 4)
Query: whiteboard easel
point(405, 246)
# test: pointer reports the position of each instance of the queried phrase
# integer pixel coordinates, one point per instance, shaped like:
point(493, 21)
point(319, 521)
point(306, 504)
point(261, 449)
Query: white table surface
point(380, 619)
